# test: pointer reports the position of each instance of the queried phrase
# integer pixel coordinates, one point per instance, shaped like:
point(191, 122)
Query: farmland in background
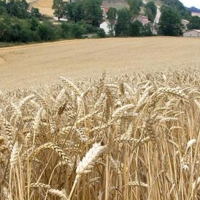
point(37, 64)
point(45, 6)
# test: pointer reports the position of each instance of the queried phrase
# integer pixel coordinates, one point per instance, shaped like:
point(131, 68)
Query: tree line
point(122, 21)
point(18, 23)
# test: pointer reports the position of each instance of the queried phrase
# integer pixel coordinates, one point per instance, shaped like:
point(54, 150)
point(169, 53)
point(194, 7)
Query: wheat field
point(24, 66)
point(44, 6)
point(111, 137)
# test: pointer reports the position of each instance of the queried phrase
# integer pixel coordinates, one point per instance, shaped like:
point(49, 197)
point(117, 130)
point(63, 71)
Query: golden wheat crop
point(121, 138)
point(38, 64)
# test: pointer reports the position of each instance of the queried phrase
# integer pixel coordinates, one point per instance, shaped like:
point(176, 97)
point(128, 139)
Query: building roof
point(143, 19)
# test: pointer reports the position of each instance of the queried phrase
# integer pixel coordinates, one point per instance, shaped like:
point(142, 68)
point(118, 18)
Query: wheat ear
point(55, 148)
point(72, 86)
point(87, 163)
point(57, 193)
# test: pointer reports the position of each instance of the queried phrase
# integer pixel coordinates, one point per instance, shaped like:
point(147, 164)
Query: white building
point(195, 14)
point(106, 26)
point(192, 33)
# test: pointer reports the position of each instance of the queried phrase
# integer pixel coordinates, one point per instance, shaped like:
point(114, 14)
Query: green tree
point(147, 30)
point(91, 12)
point(65, 30)
point(170, 22)
point(101, 33)
point(34, 23)
point(2, 10)
point(134, 6)
point(122, 27)
point(17, 8)
point(5, 30)
point(178, 7)
point(35, 12)
point(73, 30)
point(46, 31)
point(3, 7)
point(84, 10)
point(111, 16)
point(15, 30)
point(151, 10)
point(20, 31)
point(59, 8)
point(74, 11)
point(136, 28)
point(76, 31)
point(194, 23)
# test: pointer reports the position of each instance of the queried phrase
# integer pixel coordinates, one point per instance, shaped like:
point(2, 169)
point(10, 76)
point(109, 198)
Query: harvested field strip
point(44, 3)
point(44, 6)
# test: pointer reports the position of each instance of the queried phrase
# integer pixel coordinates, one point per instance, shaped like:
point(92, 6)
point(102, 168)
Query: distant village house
point(105, 11)
point(195, 14)
point(106, 27)
point(192, 33)
point(143, 19)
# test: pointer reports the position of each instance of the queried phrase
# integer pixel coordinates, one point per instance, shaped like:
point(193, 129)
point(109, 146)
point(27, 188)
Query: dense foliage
point(15, 8)
point(88, 11)
point(170, 22)
point(18, 24)
point(178, 7)
point(125, 26)
point(194, 23)
point(135, 6)
point(123, 23)
point(151, 10)
point(112, 18)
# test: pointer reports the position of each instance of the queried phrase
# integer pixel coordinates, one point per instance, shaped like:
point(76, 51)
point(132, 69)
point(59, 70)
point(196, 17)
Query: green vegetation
point(31, 30)
point(135, 6)
point(170, 22)
point(111, 17)
point(125, 26)
point(101, 33)
point(88, 11)
point(151, 10)
point(59, 8)
point(178, 7)
point(123, 22)
point(194, 23)
point(18, 25)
